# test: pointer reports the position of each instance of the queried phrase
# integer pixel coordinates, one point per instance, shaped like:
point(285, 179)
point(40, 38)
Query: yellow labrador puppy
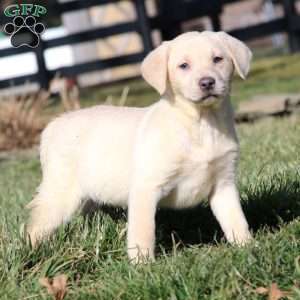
point(173, 153)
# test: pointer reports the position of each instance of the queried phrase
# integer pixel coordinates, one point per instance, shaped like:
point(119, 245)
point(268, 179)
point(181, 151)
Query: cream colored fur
point(175, 153)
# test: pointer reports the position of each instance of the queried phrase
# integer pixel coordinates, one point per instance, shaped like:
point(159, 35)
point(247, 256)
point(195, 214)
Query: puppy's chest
point(206, 153)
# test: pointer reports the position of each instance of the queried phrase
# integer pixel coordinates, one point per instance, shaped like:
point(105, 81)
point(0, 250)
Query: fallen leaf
point(57, 287)
point(273, 292)
point(262, 290)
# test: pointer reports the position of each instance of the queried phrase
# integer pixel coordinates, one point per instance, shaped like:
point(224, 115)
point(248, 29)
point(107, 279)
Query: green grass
point(193, 260)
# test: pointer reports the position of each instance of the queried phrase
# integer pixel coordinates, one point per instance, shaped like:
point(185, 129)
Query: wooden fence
point(171, 13)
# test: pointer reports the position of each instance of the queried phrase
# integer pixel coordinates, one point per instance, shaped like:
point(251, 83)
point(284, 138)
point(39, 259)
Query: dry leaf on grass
point(273, 292)
point(262, 290)
point(57, 287)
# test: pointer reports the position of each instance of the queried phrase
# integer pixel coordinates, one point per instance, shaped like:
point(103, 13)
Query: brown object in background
point(22, 118)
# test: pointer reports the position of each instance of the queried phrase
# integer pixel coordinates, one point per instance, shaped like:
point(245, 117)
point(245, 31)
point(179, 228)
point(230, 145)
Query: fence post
point(42, 69)
point(294, 36)
point(216, 22)
point(144, 26)
point(165, 9)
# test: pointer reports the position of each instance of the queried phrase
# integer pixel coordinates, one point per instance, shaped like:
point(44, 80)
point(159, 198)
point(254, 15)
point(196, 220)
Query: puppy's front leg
point(157, 158)
point(225, 204)
point(141, 223)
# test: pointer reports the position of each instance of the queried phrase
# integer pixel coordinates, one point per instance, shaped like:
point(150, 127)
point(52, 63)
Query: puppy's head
point(197, 66)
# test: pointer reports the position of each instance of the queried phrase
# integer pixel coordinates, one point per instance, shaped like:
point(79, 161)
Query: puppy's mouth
point(215, 96)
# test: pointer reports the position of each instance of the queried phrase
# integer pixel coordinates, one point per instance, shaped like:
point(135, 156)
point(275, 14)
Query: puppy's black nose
point(207, 83)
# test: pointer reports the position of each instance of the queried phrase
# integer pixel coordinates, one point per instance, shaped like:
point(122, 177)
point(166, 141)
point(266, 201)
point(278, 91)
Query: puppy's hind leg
point(51, 207)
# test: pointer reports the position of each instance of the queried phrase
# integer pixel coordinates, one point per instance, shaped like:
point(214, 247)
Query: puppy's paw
point(240, 237)
point(139, 255)
point(33, 236)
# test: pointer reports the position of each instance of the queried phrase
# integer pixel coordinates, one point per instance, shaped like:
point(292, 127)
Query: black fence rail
point(171, 14)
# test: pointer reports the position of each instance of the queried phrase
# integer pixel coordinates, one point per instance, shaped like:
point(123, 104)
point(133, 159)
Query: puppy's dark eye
point(184, 66)
point(217, 59)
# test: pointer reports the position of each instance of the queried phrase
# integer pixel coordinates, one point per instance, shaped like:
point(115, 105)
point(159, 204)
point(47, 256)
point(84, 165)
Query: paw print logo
point(24, 31)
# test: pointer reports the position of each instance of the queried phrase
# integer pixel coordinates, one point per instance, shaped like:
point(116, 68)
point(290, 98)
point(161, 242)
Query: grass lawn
point(193, 260)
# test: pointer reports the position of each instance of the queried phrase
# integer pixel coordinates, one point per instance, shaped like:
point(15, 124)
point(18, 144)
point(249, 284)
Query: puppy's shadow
point(266, 206)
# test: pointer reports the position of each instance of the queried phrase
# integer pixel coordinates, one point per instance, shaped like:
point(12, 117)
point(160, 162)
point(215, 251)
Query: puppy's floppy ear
point(155, 67)
point(239, 52)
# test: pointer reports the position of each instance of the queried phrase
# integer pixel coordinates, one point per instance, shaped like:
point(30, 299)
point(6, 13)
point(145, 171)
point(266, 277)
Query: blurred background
point(91, 50)
point(103, 41)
